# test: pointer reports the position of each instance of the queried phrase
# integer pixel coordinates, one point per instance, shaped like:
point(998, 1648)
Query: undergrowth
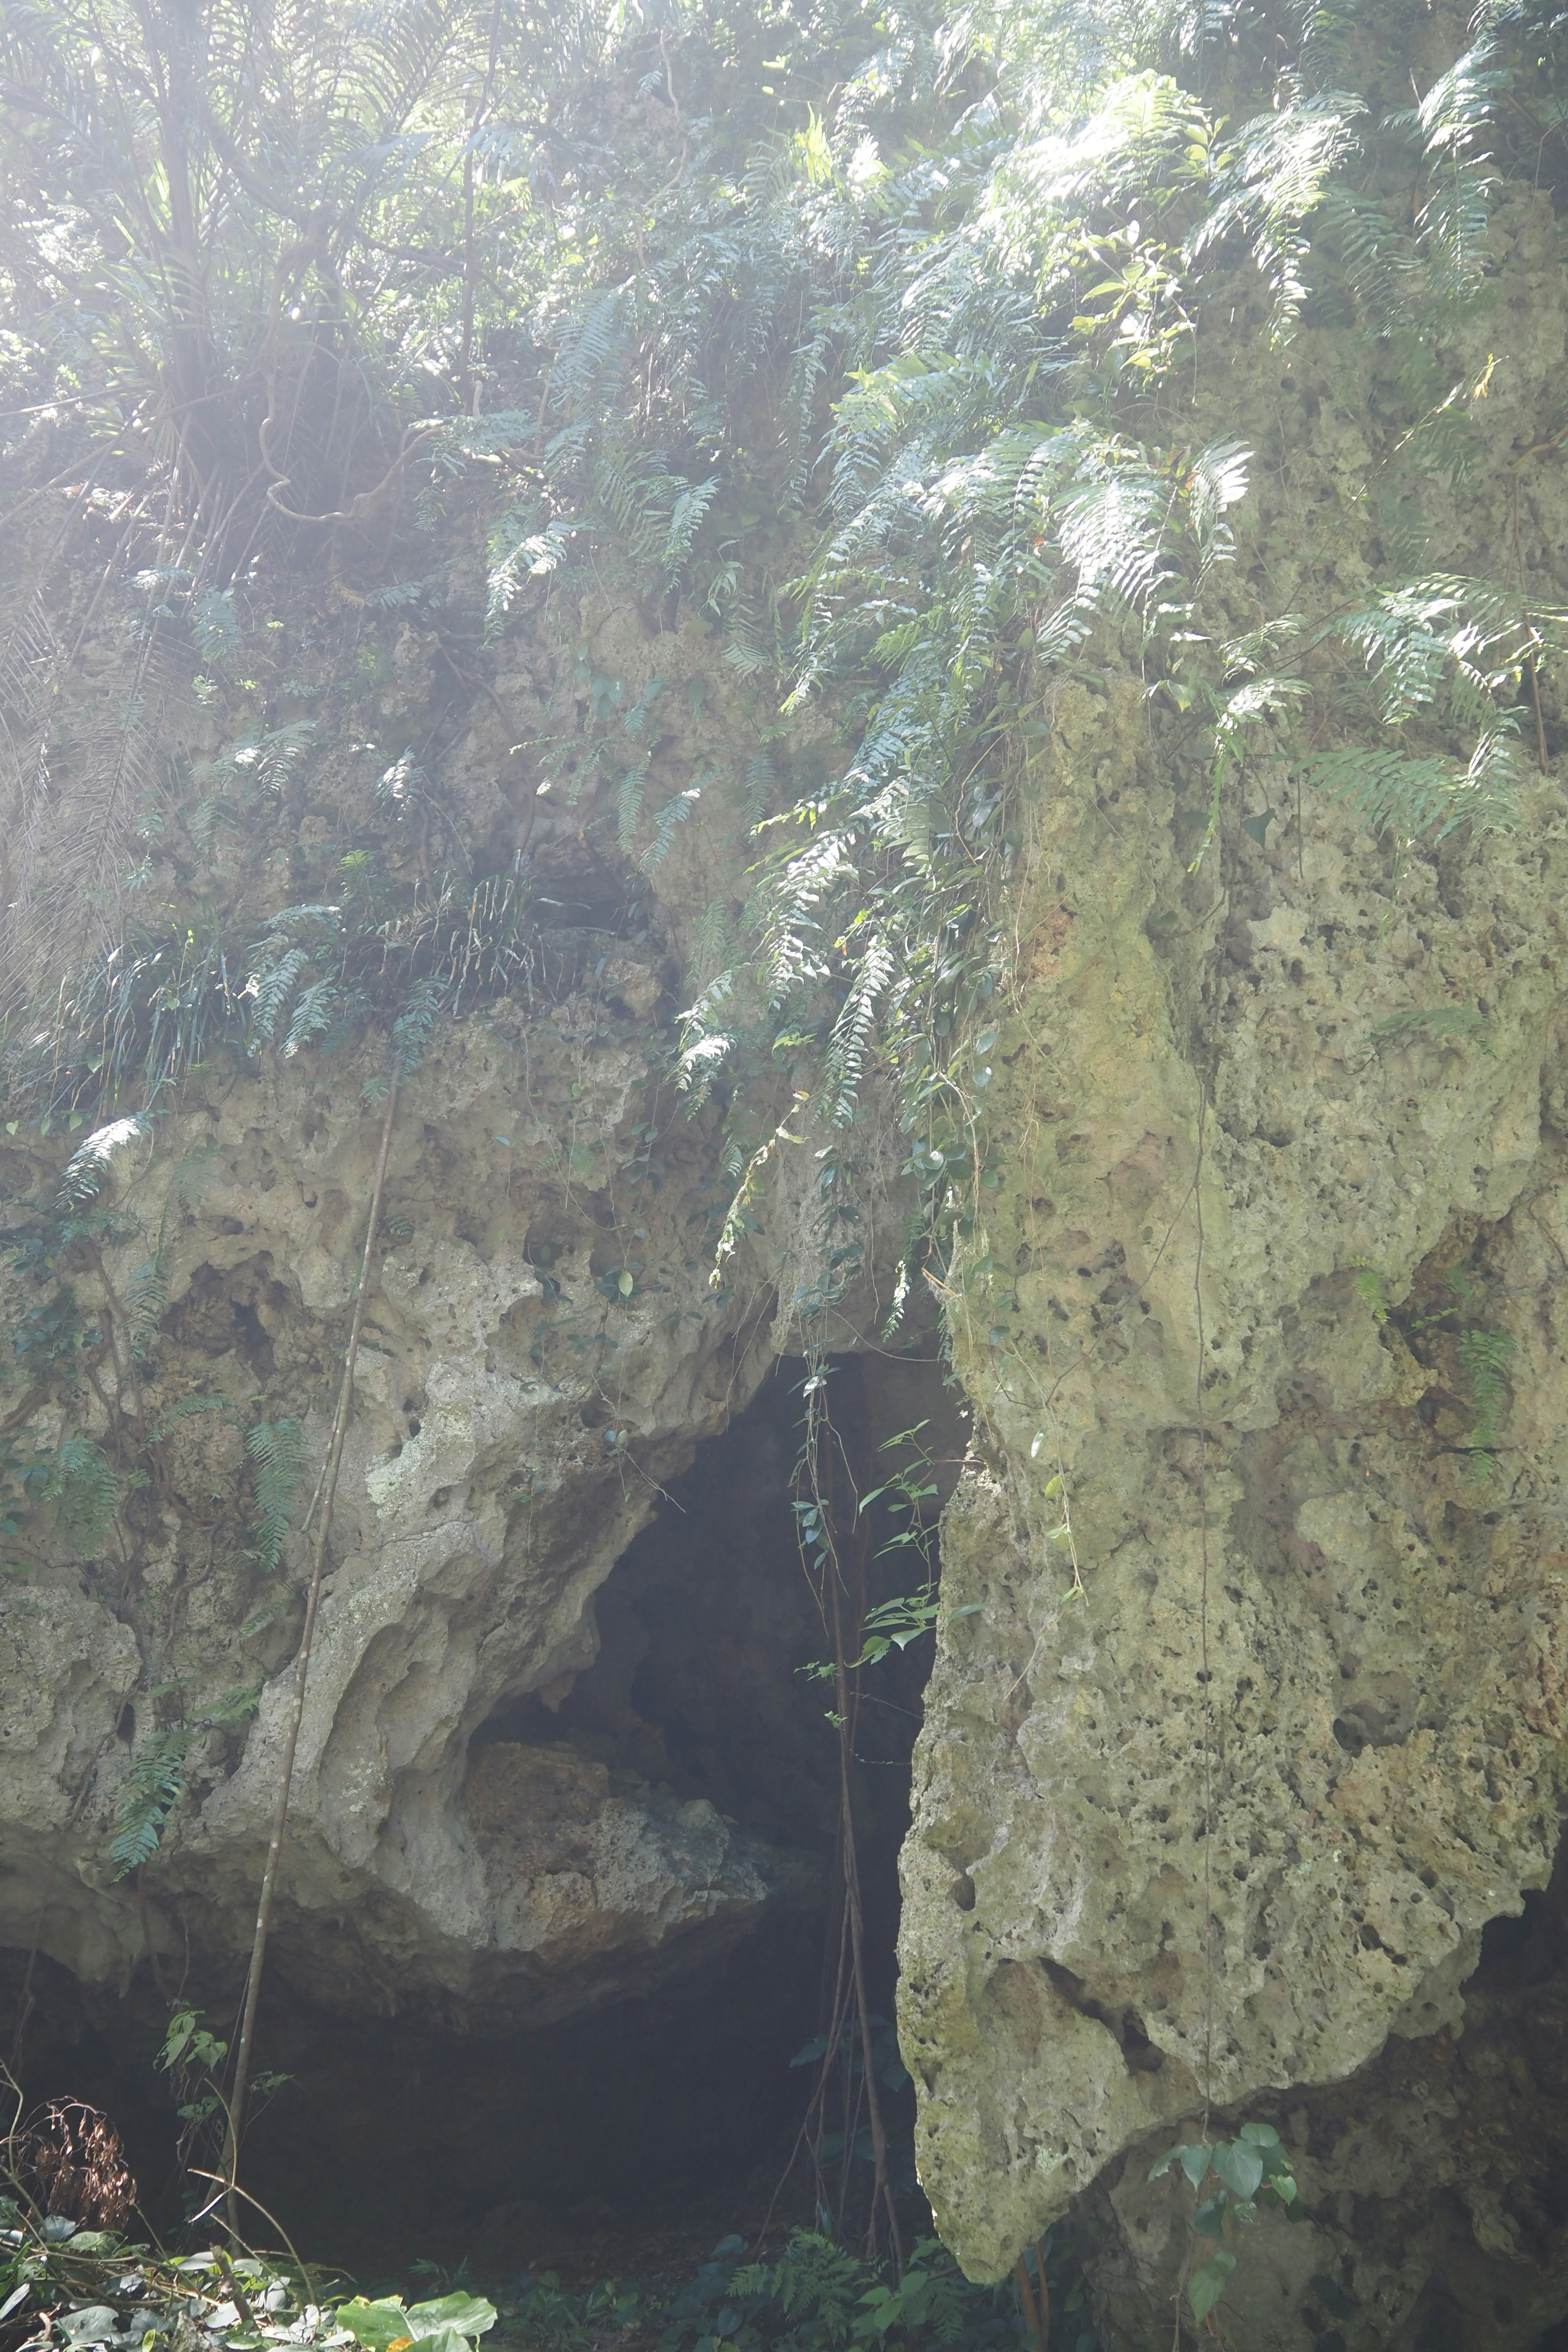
point(813, 2295)
point(74, 2284)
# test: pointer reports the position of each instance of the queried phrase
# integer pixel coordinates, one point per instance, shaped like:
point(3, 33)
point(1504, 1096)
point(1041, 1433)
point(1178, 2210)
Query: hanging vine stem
point(817, 1474)
point(1204, 1675)
point(1204, 1624)
point(318, 1559)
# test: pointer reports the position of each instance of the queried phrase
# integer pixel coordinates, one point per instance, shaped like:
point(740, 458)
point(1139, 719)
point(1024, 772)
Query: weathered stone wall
point(515, 1415)
point(1233, 1804)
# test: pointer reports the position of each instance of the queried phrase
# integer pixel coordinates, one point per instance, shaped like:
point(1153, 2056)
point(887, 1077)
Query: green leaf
point(1196, 2162)
point(626, 1282)
point(91, 2324)
point(470, 2315)
point(377, 2323)
point(1240, 2167)
point(1207, 2283)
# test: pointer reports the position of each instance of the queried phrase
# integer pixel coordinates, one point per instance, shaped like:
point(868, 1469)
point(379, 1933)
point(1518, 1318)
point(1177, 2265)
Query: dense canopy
point(909, 359)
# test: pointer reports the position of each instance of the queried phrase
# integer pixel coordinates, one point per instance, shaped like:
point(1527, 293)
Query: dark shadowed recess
point(401, 2136)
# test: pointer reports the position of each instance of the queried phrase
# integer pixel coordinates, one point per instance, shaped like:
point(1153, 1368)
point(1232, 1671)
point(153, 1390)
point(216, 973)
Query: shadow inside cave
point(674, 2105)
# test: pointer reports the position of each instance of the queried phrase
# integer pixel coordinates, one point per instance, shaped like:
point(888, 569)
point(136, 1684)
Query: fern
point(1407, 796)
point(1442, 1024)
point(271, 986)
point(416, 1024)
point(846, 1056)
point(276, 1452)
point(1450, 124)
point(667, 824)
point(315, 1010)
point(1486, 1358)
point(158, 1774)
point(84, 1490)
point(704, 1044)
point(629, 792)
point(1423, 640)
point(153, 1787)
point(191, 1408)
point(88, 1169)
point(146, 1299)
point(1271, 177)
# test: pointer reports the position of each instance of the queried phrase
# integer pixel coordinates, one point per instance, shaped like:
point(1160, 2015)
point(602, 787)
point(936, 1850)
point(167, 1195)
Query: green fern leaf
point(277, 1451)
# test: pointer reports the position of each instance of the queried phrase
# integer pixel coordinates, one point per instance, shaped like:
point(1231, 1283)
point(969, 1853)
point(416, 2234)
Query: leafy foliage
point(815, 2295)
point(1240, 2176)
point(156, 1781)
point(83, 1487)
point(154, 1786)
point(1487, 1360)
point(886, 390)
point(276, 1452)
point(99, 2284)
point(880, 396)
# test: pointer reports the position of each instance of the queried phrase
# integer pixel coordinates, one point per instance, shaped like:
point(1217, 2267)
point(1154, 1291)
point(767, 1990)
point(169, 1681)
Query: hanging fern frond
point(84, 1490)
point(1408, 796)
point(158, 1775)
point(271, 986)
point(191, 1408)
point(153, 1787)
point(315, 1010)
point(88, 1169)
point(416, 1024)
point(1487, 1360)
point(667, 824)
point(846, 1056)
point(1451, 124)
point(629, 789)
point(276, 1452)
point(1272, 176)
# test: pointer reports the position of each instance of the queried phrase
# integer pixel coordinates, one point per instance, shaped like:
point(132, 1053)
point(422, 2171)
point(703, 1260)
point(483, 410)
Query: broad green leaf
point(376, 2325)
point(1240, 2167)
point(1260, 2134)
point(1210, 2218)
point(470, 2315)
point(1206, 2284)
point(449, 2339)
point(1196, 2162)
point(90, 2324)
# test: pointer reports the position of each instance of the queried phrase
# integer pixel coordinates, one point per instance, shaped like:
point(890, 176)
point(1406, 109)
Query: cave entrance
point(669, 2110)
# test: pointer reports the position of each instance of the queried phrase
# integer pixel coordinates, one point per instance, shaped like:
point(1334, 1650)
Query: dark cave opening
point(675, 2095)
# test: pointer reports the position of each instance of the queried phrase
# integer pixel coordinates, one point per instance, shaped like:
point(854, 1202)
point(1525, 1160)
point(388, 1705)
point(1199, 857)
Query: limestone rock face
point(1260, 1719)
point(531, 1368)
point(580, 1871)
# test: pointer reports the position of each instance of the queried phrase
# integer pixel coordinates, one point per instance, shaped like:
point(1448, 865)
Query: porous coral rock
point(1307, 1686)
point(516, 1410)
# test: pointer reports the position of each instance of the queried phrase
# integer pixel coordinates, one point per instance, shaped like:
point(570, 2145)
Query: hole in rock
point(645, 2084)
